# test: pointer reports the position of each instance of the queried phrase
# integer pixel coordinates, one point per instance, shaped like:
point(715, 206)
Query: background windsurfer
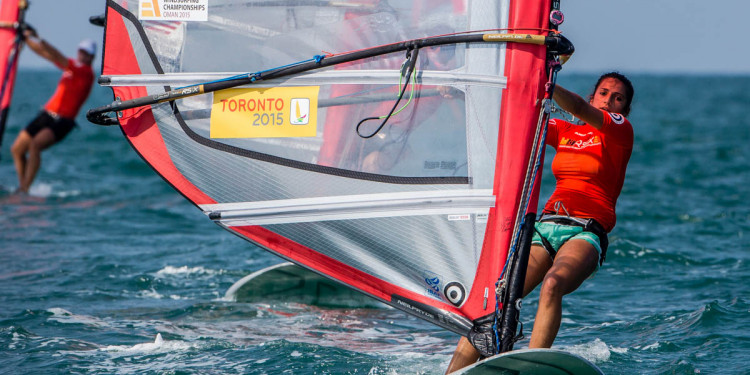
point(57, 118)
point(570, 242)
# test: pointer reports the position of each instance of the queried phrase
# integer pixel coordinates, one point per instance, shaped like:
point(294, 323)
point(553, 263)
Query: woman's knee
point(552, 287)
point(17, 149)
point(21, 143)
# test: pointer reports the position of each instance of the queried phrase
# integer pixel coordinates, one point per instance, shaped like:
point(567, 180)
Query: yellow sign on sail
point(265, 113)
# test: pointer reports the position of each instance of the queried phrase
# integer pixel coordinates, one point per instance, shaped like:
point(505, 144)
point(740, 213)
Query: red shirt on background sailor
point(57, 118)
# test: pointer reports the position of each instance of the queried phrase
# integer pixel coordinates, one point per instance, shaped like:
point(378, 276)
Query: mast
point(511, 287)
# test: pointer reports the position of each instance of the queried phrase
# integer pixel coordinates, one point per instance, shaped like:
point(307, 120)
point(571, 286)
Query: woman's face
point(610, 96)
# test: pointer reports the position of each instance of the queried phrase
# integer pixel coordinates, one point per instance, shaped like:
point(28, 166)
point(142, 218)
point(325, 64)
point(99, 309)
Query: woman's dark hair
point(629, 91)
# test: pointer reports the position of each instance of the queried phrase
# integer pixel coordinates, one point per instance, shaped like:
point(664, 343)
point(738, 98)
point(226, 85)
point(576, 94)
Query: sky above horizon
point(632, 36)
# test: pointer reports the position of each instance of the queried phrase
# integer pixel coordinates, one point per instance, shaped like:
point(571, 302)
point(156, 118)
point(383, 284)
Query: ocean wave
point(66, 317)
point(629, 249)
point(596, 351)
point(46, 190)
point(14, 337)
point(186, 271)
point(159, 345)
point(153, 294)
point(697, 329)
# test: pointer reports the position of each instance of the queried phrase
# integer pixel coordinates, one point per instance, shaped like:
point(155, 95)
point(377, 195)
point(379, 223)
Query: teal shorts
point(558, 234)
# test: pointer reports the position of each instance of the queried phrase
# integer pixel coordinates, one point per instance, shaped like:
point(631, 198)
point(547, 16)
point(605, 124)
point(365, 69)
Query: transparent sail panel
point(310, 157)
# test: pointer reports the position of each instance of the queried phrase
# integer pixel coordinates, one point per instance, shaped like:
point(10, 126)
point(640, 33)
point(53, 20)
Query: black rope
point(411, 56)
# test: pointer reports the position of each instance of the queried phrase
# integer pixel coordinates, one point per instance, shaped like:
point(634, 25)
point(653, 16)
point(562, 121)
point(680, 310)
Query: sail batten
point(460, 205)
point(378, 77)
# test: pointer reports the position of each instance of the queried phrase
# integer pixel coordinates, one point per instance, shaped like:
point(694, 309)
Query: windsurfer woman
point(571, 237)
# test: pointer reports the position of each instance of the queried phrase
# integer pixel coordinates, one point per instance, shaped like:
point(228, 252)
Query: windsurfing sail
point(389, 145)
point(11, 39)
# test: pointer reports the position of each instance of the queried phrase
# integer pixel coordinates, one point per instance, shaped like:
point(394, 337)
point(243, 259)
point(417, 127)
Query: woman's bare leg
point(574, 262)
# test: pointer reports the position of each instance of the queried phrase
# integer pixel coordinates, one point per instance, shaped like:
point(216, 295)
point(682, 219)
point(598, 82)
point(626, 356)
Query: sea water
point(104, 268)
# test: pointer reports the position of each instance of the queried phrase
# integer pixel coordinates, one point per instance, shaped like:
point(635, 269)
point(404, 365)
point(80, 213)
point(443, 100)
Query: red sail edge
point(10, 13)
point(525, 69)
point(138, 124)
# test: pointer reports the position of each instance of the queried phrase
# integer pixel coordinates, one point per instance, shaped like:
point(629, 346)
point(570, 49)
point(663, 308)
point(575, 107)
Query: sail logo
point(455, 292)
point(173, 10)
point(463, 217)
point(434, 286)
point(276, 112)
point(300, 111)
point(150, 8)
point(433, 283)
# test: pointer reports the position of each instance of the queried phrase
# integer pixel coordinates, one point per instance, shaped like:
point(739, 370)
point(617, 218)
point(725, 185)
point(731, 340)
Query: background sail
point(422, 214)
point(11, 12)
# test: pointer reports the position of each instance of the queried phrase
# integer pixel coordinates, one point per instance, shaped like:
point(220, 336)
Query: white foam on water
point(655, 346)
point(53, 341)
point(414, 363)
point(596, 351)
point(185, 271)
point(40, 189)
point(610, 323)
point(158, 346)
point(66, 317)
point(378, 371)
point(151, 293)
point(44, 190)
point(66, 194)
point(618, 350)
point(15, 340)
